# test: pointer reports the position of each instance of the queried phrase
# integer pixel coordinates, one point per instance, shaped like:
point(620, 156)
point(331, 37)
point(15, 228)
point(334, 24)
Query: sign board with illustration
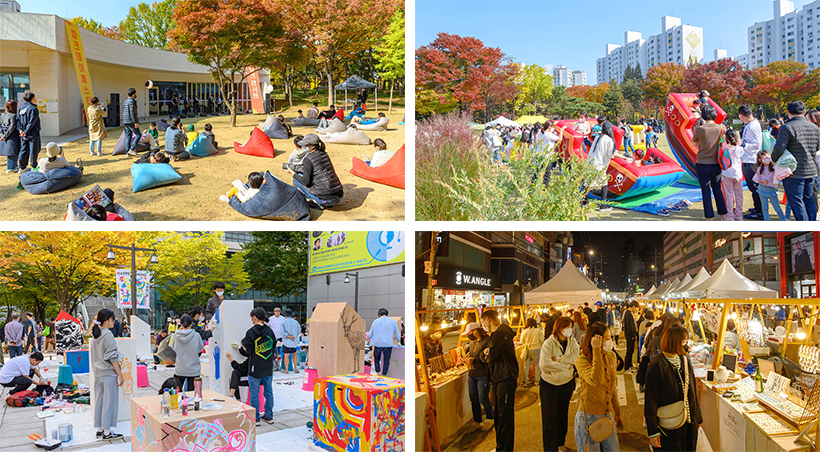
point(335, 251)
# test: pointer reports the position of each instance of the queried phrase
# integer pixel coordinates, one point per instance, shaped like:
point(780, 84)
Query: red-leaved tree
point(458, 66)
point(779, 83)
point(724, 79)
point(230, 36)
point(660, 80)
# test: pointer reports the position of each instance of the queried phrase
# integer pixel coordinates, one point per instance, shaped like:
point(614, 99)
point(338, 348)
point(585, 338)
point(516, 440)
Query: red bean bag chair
point(391, 173)
point(340, 113)
point(259, 145)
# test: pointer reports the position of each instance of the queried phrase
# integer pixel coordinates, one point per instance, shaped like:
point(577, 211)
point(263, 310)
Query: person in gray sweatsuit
point(188, 346)
point(107, 375)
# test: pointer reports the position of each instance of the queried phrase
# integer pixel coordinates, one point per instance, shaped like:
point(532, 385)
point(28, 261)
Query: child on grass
point(255, 182)
point(732, 180)
point(767, 185)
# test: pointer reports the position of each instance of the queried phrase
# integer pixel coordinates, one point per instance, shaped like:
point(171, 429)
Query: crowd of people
point(574, 352)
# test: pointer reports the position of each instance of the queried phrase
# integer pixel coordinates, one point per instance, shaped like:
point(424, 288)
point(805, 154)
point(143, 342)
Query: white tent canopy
point(676, 290)
point(727, 282)
point(650, 291)
point(504, 122)
point(569, 286)
point(702, 276)
point(660, 290)
point(670, 288)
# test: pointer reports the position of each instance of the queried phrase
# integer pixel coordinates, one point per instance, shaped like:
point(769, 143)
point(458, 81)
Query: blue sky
point(575, 33)
point(107, 12)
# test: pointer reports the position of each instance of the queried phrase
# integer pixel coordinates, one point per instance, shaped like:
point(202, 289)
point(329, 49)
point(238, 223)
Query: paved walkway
point(293, 410)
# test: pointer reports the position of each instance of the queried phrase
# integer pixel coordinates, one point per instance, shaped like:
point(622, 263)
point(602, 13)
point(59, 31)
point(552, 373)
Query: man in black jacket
point(197, 315)
point(215, 301)
point(503, 374)
point(630, 333)
point(548, 325)
point(802, 139)
point(258, 345)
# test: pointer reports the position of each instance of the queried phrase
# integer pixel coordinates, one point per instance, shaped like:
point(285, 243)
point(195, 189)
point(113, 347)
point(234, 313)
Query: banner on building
point(124, 299)
point(75, 45)
point(347, 250)
point(257, 102)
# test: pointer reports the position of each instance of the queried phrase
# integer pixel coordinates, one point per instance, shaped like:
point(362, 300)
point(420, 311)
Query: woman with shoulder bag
point(671, 406)
point(595, 427)
point(558, 353)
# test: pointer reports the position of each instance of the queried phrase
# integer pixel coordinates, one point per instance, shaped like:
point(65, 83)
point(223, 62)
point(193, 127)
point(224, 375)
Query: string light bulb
point(424, 327)
point(463, 322)
point(800, 333)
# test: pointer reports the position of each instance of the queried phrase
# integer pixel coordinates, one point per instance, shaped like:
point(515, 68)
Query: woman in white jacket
point(533, 338)
point(558, 355)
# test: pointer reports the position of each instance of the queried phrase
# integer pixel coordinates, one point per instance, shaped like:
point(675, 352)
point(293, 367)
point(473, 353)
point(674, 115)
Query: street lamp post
point(355, 290)
point(133, 249)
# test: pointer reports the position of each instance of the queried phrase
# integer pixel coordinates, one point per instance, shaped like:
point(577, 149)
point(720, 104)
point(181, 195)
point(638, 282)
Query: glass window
point(12, 84)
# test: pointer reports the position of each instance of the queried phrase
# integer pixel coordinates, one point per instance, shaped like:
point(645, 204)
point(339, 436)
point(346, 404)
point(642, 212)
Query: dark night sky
point(610, 243)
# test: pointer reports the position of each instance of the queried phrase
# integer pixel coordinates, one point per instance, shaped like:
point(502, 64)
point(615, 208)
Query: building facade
point(518, 257)
point(562, 76)
point(35, 56)
point(677, 43)
point(579, 78)
point(789, 35)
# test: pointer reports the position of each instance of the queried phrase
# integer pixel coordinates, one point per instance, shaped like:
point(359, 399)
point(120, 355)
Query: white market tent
point(504, 122)
point(686, 280)
point(569, 286)
point(660, 290)
point(650, 291)
point(670, 288)
point(727, 282)
point(699, 278)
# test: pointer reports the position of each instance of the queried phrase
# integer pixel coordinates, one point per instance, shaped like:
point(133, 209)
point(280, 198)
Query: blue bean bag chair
point(201, 146)
point(150, 175)
point(276, 200)
point(59, 179)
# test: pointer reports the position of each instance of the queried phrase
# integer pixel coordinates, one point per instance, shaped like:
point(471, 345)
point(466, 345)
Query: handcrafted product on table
point(359, 412)
point(337, 339)
point(231, 428)
point(127, 349)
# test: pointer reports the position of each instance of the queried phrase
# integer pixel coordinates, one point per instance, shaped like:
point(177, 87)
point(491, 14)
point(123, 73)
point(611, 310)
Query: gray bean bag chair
point(119, 148)
point(334, 125)
point(162, 125)
point(276, 200)
point(305, 122)
point(276, 131)
point(378, 126)
point(76, 214)
point(349, 136)
point(59, 179)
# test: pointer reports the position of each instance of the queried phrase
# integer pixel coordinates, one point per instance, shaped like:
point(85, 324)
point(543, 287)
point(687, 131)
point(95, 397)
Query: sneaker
point(223, 198)
point(753, 216)
point(99, 434)
point(132, 153)
point(258, 422)
point(100, 154)
point(473, 426)
point(112, 435)
point(10, 171)
point(269, 420)
point(91, 153)
point(486, 425)
point(604, 207)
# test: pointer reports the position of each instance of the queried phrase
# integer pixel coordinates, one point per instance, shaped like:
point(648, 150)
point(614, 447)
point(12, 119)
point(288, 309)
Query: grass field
point(693, 213)
point(195, 196)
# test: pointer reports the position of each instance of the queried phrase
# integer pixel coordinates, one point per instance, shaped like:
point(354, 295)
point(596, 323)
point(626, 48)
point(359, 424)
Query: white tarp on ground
point(504, 122)
point(727, 282)
point(700, 277)
point(568, 286)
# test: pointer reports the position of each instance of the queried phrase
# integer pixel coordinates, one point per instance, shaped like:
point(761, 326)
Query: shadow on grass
point(354, 197)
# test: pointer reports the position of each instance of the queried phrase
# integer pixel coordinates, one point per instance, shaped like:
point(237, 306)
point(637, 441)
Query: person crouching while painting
point(107, 375)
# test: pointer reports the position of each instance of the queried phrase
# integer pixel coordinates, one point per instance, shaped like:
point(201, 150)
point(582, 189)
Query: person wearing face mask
point(318, 180)
point(533, 338)
point(477, 382)
point(215, 301)
point(598, 395)
point(670, 379)
point(503, 374)
point(558, 354)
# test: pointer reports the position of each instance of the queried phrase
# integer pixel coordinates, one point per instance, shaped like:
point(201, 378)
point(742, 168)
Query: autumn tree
point(779, 83)
point(500, 89)
point(660, 80)
point(390, 54)
point(189, 264)
point(336, 31)
point(69, 266)
point(535, 83)
point(148, 24)
point(722, 78)
point(96, 27)
point(613, 98)
point(591, 93)
point(456, 68)
point(277, 262)
point(233, 38)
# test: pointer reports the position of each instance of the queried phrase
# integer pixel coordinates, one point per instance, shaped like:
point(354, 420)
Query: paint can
point(196, 403)
point(66, 432)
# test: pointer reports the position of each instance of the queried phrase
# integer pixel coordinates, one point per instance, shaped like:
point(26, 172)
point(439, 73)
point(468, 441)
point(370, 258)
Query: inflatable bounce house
point(391, 173)
point(679, 120)
point(627, 178)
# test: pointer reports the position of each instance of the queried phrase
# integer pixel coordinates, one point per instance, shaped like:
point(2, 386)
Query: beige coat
point(96, 125)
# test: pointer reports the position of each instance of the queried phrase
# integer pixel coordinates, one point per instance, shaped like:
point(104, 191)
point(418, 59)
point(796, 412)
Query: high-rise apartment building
point(789, 35)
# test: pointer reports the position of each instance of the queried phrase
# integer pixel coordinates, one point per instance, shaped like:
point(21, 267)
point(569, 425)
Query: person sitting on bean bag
point(301, 116)
point(318, 179)
point(357, 113)
point(382, 155)
point(176, 141)
point(297, 156)
point(99, 213)
point(116, 209)
point(154, 157)
point(210, 134)
point(152, 137)
point(191, 135)
point(53, 160)
point(255, 182)
point(281, 120)
point(327, 114)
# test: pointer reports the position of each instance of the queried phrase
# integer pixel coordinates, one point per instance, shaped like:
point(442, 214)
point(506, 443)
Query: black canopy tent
point(355, 82)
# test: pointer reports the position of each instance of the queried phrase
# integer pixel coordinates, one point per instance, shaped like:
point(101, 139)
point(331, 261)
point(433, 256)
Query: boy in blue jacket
point(28, 120)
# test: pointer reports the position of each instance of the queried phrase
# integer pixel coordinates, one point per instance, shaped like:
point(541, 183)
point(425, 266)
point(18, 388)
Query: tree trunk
point(329, 86)
point(390, 107)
